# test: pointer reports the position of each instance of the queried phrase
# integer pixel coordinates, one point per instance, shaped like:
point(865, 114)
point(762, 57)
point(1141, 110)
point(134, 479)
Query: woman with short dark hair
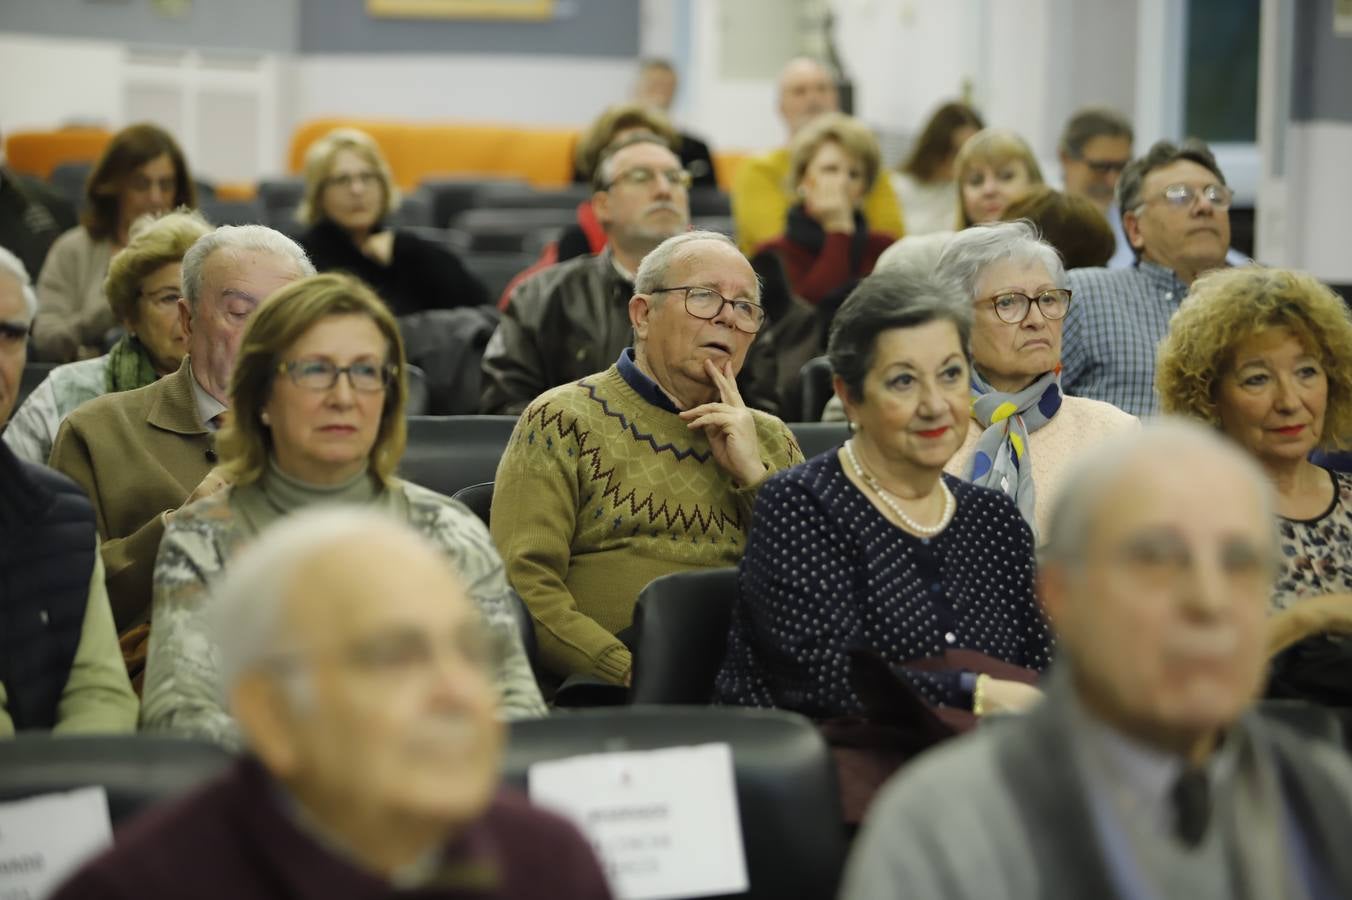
point(141, 171)
point(871, 547)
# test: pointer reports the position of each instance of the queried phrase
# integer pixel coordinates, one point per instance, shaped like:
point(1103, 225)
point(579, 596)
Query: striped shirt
point(1115, 323)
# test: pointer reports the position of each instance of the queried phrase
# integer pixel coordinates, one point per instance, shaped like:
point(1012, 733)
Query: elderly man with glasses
point(1176, 215)
point(647, 468)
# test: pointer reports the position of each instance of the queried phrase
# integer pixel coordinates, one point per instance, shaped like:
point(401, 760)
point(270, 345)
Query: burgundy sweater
point(232, 839)
point(815, 276)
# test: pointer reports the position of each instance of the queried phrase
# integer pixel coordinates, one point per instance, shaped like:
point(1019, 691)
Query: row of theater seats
point(785, 781)
point(497, 226)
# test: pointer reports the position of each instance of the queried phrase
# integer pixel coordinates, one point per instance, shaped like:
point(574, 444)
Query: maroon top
point(816, 275)
point(232, 839)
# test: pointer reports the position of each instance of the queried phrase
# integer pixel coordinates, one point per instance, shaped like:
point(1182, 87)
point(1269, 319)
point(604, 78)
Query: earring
point(264, 418)
point(854, 427)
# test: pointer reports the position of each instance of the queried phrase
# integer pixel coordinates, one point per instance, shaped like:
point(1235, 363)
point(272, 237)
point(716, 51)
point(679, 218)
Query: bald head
point(806, 90)
point(1157, 575)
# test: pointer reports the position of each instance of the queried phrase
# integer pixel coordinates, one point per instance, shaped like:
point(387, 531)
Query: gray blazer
point(1003, 813)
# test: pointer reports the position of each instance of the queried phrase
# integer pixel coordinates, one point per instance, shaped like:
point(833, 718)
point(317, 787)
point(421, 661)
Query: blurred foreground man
point(1144, 773)
point(356, 666)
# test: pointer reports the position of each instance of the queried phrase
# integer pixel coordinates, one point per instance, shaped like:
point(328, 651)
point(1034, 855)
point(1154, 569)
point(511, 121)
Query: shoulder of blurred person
point(32, 429)
point(238, 836)
point(72, 309)
point(64, 670)
point(928, 206)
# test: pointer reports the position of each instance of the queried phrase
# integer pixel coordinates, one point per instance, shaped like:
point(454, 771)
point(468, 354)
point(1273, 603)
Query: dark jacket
point(234, 839)
point(47, 543)
point(563, 323)
point(32, 216)
point(421, 275)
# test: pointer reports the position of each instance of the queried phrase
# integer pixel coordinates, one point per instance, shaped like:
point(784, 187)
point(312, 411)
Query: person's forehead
point(231, 266)
point(647, 153)
point(350, 158)
point(1180, 171)
point(804, 74)
point(362, 588)
point(1011, 273)
point(1187, 490)
point(1112, 146)
point(715, 265)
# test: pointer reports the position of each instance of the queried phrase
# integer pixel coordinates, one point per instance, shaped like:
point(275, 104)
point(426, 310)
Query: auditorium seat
point(478, 497)
point(280, 197)
point(815, 438)
point(68, 179)
point(495, 270)
point(521, 230)
point(508, 195)
point(449, 197)
point(680, 635)
point(233, 212)
point(785, 780)
point(707, 202)
point(814, 383)
point(136, 770)
point(447, 453)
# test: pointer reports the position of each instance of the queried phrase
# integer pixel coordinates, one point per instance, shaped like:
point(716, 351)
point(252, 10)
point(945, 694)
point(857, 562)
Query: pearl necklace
point(891, 502)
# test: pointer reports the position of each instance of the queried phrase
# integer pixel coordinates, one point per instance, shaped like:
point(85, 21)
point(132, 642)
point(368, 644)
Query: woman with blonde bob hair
point(826, 245)
point(994, 168)
point(1262, 354)
point(143, 290)
point(317, 399)
point(349, 195)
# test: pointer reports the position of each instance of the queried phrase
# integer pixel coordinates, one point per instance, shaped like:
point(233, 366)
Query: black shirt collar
point(644, 386)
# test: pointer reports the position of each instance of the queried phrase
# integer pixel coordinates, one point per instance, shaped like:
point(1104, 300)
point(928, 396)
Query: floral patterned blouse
point(1317, 553)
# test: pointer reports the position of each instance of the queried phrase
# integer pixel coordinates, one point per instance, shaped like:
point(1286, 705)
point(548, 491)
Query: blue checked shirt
point(1116, 321)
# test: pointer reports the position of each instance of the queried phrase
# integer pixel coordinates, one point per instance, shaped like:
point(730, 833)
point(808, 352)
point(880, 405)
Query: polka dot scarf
point(1002, 459)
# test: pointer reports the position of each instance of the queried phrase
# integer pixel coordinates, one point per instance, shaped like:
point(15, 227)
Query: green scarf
point(129, 365)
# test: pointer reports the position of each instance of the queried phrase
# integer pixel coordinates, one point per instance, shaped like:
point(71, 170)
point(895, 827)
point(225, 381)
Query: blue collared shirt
point(644, 386)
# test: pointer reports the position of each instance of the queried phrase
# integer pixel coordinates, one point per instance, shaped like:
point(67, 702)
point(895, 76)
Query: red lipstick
point(933, 432)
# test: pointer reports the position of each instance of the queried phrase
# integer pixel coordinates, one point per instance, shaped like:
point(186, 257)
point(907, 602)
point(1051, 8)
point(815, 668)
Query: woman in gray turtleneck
point(317, 398)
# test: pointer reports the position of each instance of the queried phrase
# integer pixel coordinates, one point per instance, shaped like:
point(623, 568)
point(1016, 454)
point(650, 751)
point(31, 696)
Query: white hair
point(652, 271)
point(236, 239)
point(914, 251)
point(971, 251)
point(14, 267)
point(250, 602)
point(1096, 473)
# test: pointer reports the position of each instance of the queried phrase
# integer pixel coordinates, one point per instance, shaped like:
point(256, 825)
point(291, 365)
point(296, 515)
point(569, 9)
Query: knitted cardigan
point(182, 689)
point(603, 488)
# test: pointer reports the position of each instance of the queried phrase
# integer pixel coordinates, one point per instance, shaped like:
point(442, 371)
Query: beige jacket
point(72, 310)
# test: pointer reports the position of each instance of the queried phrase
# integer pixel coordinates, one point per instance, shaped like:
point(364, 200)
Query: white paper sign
point(43, 840)
point(664, 823)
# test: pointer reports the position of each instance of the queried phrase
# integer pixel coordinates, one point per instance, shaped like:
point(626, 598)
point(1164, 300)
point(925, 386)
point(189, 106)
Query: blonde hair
point(992, 147)
point(281, 320)
point(319, 162)
point(600, 134)
point(153, 242)
point(1227, 306)
point(853, 136)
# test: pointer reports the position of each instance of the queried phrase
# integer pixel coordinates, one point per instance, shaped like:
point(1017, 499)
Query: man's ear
point(640, 312)
point(265, 713)
point(1131, 227)
point(185, 316)
point(600, 201)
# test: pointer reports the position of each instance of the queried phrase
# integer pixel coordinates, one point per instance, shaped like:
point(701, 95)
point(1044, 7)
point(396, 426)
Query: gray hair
point(1091, 122)
point(921, 250)
point(899, 297)
point(1094, 475)
point(247, 621)
point(604, 172)
point(971, 251)
point(652, 271)
point(14, 267)
point(239, 239)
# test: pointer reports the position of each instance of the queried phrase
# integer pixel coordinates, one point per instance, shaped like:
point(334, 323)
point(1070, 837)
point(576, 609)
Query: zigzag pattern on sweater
point(610, 488)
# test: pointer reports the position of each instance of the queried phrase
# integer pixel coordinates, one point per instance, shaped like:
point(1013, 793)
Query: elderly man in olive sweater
point(357, 668)
point(60, 667)
point(647, 468)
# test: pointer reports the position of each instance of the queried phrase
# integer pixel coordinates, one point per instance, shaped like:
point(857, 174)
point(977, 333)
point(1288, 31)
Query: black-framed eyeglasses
point(1183, 195)
point(1012, 307)
point(705, 303)
point(642, 175)
point(345, 181)
point(322, 375)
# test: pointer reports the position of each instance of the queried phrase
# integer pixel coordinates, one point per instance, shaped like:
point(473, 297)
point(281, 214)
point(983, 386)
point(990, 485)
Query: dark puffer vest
point(47, 546)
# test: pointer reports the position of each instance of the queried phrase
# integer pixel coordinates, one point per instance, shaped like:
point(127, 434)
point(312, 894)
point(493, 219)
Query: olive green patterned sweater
point(602, 489)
